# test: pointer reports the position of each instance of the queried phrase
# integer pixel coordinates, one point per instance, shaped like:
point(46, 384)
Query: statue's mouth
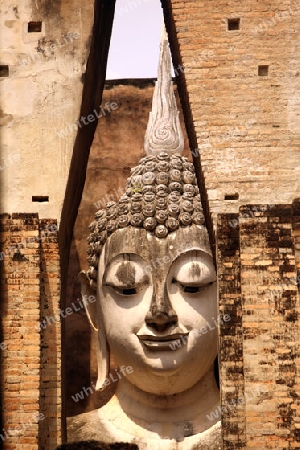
point(165, 342)
point(171, 339)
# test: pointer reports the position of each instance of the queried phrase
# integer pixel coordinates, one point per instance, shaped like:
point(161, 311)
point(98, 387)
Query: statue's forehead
point(148, 246)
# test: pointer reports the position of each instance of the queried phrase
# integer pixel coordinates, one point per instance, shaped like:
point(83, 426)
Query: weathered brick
point(27, 388)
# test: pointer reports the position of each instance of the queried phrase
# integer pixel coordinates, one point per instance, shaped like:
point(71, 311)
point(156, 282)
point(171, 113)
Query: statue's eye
point(125, 291)
point(130, 291)
point(125, 277)
point(191, 289)
point(193, 273)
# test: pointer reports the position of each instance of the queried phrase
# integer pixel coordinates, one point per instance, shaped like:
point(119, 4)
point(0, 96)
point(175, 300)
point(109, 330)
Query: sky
point(134, 47)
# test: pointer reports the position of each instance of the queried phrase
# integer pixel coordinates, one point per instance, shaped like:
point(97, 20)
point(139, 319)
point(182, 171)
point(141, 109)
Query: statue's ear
point(89, 299)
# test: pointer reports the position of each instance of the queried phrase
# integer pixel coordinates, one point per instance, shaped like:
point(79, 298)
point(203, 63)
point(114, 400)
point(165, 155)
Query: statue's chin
point(162, 381)
point(164, 372)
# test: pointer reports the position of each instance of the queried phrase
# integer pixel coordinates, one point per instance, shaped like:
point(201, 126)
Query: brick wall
point(231, 332)
point(260, 350)
point(245, 122)
point(30, 360)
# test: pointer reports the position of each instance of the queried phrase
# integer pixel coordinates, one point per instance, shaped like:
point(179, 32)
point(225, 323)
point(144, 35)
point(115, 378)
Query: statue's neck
point(192, 407)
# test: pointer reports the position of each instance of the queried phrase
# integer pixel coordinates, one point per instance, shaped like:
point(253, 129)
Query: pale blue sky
point(134, 47)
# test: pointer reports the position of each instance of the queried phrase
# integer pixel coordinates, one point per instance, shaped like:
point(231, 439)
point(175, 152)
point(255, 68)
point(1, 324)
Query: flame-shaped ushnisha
point(164, 131)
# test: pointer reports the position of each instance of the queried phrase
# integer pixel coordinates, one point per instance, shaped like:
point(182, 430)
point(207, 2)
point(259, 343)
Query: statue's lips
point(162, 340)
point(168, 342)
point(156, 338)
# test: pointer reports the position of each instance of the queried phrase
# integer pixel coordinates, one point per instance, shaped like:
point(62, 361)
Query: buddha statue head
point(152, 271)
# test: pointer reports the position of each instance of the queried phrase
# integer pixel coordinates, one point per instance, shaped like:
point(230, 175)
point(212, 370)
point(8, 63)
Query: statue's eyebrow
point(121, 257)
point(198, 252)
point(195, 270)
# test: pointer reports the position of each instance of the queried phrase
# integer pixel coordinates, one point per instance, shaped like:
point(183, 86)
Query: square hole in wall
point(40, 198)
point(263, 71)
point(4, 71)
point(34, 27)
point(233, 24)
point(234, 196)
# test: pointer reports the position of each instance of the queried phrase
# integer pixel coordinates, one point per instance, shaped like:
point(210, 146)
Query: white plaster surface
point(41, 97)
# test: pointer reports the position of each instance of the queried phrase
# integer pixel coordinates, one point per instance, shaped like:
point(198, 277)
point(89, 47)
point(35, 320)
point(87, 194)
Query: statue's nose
point(161, 315)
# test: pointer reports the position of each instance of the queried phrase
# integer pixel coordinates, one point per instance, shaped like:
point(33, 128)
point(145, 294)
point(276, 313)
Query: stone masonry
point(30, 356)
point(43, 52)
point(237, 66)
point(259, 348)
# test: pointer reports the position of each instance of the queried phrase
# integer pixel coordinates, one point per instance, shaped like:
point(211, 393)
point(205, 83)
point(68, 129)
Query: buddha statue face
point(154, 298)
point(152, 267)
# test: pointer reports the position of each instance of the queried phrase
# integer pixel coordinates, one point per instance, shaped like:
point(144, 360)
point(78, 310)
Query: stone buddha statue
point(152, 269)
